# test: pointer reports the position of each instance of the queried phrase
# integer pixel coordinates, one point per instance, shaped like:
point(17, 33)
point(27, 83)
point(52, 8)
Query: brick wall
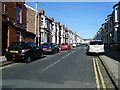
point(30, 20)
point(8, 22)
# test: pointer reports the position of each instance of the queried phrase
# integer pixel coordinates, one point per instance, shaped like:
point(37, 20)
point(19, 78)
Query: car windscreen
point(96, 43)
point(17, 45)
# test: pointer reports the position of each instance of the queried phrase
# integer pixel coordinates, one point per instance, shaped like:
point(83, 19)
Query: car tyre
point(28, 59)
point(53, 51)
point(8, 59)
point(87, 53)
point(57, 50)
point(42, 55)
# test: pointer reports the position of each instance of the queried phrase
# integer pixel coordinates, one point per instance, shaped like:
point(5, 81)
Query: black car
point(50, 47)
point(25, 51)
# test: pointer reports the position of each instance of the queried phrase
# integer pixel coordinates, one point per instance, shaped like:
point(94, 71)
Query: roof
point(116, 4)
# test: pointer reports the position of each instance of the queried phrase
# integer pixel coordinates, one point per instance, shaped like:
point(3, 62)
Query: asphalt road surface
point(66, 69)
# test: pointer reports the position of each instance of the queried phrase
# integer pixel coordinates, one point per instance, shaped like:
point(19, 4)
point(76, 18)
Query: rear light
point(6, 49)
point(59, 48)
point(49, 48)
point(66, 45)
point(25, 50)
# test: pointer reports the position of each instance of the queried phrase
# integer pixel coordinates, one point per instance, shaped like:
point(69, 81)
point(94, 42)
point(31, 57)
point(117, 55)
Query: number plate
point(13, 51)
point(96, 46)
point(44, 48)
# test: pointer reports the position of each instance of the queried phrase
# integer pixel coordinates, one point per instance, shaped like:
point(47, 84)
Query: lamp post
point(36, 20)
point(0, 29)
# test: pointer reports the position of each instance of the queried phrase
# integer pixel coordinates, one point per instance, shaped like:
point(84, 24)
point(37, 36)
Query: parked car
point(65, 46)
point(74, 45)
point(95, 46)
point(25, 51)
point(78, 44)
point(50, 47)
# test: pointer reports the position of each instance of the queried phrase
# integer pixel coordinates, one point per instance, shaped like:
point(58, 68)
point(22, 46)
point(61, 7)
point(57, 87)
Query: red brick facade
point(10, 27)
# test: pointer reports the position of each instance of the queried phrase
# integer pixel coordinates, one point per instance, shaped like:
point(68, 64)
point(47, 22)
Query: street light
point(36, 19)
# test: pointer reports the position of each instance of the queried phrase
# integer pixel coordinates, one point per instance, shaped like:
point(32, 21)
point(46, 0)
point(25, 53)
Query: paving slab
point(112, 67)
point(2, 59)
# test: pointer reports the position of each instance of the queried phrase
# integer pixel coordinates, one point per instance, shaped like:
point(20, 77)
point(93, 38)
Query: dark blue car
point(78, 44)
point(50, 47)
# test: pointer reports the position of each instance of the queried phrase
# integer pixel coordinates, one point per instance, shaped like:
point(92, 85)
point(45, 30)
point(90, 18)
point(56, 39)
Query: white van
point(95, 46)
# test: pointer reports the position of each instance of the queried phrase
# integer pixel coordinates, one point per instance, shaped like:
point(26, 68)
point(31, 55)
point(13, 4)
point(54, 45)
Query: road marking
point(6, 63)
point(96, 75)
point(55, 62)
point(9, 65)
point(63, 57)
point(101, 76)
point(50, 66)
point(66, 55)
point(73, 51)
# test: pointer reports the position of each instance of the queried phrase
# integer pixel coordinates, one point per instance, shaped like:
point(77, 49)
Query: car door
point(55, 46)
point(30, 48)
point(36, 50)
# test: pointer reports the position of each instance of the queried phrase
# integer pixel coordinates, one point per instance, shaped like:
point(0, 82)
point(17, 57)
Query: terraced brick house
point(13, 23)
point(62, 28)
point(31, 26)
point(44, 27)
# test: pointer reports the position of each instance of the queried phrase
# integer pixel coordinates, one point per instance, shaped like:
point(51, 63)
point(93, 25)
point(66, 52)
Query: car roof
point(49, 43)
point(23, 42)
point(95, 40)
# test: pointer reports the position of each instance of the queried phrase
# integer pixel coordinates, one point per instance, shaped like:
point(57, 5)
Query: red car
point(65, 46)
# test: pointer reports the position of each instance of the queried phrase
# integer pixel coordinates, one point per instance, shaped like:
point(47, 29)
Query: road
point(66, 69)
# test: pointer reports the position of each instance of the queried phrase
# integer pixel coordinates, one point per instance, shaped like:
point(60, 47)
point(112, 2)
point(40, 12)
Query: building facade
point(31, 24)
point(44, 27)
point(109, 32)
point(62, 29)
point(21, 22)
point(13, 23)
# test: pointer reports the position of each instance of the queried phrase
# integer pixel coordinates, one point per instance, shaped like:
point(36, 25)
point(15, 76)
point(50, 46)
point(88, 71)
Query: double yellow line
point(98, 72)
point(7, 64)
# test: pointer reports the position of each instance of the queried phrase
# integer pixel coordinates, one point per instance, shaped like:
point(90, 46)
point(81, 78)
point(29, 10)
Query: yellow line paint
point(9, 65)
point(96, 75)
point(101, 76)
point(6, 63)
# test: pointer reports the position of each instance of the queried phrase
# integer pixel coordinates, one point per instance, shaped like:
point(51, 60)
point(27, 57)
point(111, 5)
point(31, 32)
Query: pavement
point(112, 67)
point(3, 59)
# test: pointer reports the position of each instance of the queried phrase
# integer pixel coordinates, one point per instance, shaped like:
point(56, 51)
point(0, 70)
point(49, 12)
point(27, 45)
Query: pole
point(38, 28)
point(36, 20)
point(0, 28)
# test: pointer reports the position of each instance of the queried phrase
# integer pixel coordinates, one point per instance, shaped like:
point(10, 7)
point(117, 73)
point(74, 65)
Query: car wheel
point(53, 51)
point(58, 50)
point(87, 53)
point(28, 59)
point(42, 55)
point(8, 59)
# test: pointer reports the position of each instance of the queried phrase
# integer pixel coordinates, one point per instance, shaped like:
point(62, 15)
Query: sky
point(84, 18)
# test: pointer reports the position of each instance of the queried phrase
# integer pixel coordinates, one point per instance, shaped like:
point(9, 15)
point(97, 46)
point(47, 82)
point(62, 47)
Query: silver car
point(95, 46)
